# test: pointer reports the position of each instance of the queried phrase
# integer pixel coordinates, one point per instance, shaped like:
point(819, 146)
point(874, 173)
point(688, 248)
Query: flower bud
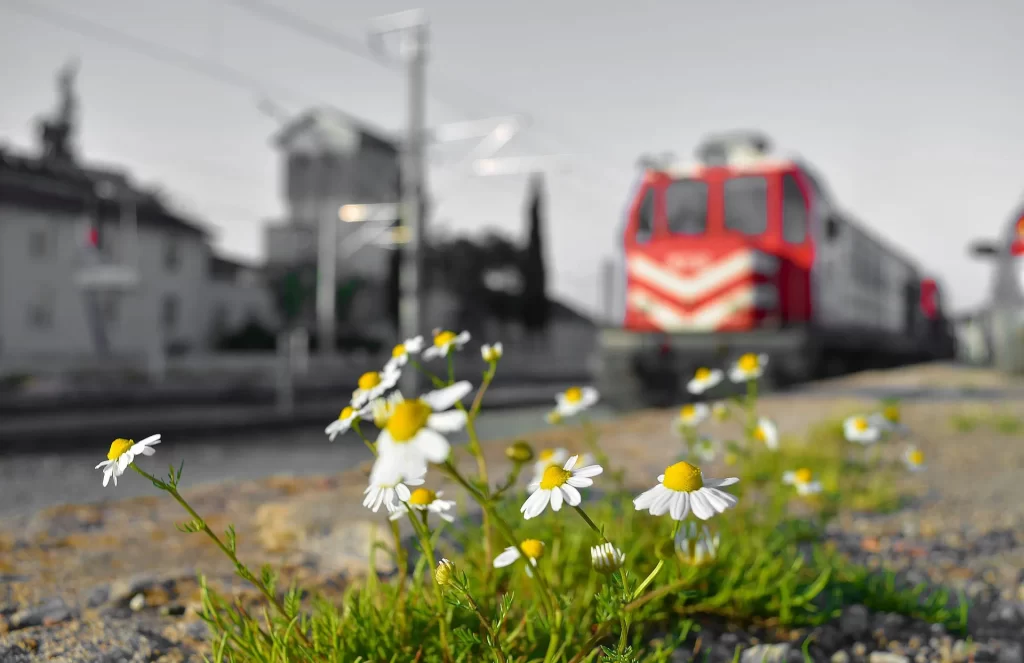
point(444, 572)
point(606, 558)
point(519, 452)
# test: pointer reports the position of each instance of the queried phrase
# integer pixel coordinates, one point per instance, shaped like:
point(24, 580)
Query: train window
point(686, 206)
point(746, 204)
point(794, 211)
point(645, 217)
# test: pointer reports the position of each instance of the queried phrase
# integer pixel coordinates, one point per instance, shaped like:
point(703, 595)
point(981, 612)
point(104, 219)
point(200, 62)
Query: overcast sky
point(910, 109)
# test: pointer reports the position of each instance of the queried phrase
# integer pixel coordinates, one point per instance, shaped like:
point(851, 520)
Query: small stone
point(887, 657)
point(766, 654)
point(914, 642)
point(138, 602)
point(840, 657)
point(854, 621)
point(172, 609)
point(1012, 653)
point(860, 649)
point(197, 630)
point(97, 596)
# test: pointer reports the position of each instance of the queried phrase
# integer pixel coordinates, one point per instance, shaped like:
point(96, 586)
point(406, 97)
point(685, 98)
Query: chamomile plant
point(546, 558)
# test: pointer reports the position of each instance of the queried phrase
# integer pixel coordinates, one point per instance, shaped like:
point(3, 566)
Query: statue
point(56, 132)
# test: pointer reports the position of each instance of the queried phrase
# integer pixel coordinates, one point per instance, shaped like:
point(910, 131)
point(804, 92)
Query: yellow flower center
point(860, 424)
point(444, 338)
point(803, 475)
point(760, 435)
point(422, 497)
point(532, 548)
point(687, 412)
point(408, 419)
point(683, 478)
point(346, 413)
point(702, 374)
point(369, 380)
point(574, 394)
point(892, 413)
point(554, 476)
point(547, 454)
point(399, 350)
point(118, 448)
point(916, 457)
point(748, 363)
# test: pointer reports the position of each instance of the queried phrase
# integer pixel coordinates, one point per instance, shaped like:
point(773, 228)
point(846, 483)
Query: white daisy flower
point(381, 408)
point(889, 420)
point(705, 449)
point(692, 415)
point(389, 485)
point(720, 410)
point(444, 342)
point(913, 458)
point(803, 481)
point(683, 487)
point(424, 499)
point(532, 548)
point(373, 385)
point(704, 379)
point(695, 545)
point(575, 400)
point(767, 432)
point(558, 484)
point(413, 434)
point(122, 454)
point(491, 353)
point(748, 367)
point(345, 420)
point(401, 352)
point(860, 429)
point(606, 558)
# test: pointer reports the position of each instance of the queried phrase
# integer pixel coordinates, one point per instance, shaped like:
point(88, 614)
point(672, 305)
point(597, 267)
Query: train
point(742, 251)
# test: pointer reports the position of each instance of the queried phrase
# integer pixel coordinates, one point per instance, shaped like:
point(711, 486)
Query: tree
point(535, 306)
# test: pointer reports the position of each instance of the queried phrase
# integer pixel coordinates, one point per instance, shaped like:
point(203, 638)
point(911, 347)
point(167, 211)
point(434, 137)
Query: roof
point(222, 266)
point(342, 128)
point(50, 184)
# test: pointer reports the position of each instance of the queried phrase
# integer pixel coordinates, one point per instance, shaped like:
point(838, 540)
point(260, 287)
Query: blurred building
point(330, 159)
point(64, 222)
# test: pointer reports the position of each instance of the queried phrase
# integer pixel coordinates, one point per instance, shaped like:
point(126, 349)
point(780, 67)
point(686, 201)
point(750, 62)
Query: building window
point(686, 206)
point(41, 310)
point(746, 204)
point(170, 312)
point(172, 254)
point(38, 244)
point(794, 211)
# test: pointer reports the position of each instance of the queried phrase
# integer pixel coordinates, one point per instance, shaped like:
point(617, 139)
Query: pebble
point(854, 621)
point(767, 654)
point(887, 657)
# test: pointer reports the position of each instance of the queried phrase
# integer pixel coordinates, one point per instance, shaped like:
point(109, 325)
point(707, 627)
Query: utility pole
point(413, 29)
point(327, 261)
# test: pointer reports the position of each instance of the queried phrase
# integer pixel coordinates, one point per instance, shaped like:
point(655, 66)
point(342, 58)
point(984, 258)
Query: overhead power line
point(167, 55)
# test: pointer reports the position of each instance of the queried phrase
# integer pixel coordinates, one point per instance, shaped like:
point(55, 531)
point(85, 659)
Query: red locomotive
point(741, 252)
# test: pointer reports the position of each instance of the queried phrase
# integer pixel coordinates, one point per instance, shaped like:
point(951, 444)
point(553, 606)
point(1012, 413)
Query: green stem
point(657, 569)
point(498, 651)
point(434, 380)
point(624, 635)
point(423, 532)
point(401, 560)
point(451, 366)
point(227, 551)
point(369, 445)
point(587, 519)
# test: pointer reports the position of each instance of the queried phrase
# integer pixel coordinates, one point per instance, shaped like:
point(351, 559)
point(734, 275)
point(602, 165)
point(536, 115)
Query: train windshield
point(745, 201)
point(686, 207)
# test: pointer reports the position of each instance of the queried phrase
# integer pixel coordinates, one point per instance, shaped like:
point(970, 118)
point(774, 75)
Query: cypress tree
point(535, 308)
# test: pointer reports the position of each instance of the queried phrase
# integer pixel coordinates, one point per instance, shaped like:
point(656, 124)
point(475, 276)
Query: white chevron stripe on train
point(708, 317)
point(688, 289)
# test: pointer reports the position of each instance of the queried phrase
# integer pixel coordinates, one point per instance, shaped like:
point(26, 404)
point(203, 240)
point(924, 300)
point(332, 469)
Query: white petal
point(443, 399)
point(713, 499)
point(507, 556)
point(403, 492)
point(579, 482)
point(661, 505)
point(720, 483)
point(701, 508)
point(106, 475)
point(588, 471)
point(535, 504)
point(569, 463)
point(447, 422)
point(679, 505)
point(647, 498)
point(731, 500)
point(556, 499)
point(432, 445)
point(462, 339)
point(572, 496)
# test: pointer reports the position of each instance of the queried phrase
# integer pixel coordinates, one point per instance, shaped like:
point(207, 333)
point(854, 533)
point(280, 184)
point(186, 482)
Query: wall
point(45, 283)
